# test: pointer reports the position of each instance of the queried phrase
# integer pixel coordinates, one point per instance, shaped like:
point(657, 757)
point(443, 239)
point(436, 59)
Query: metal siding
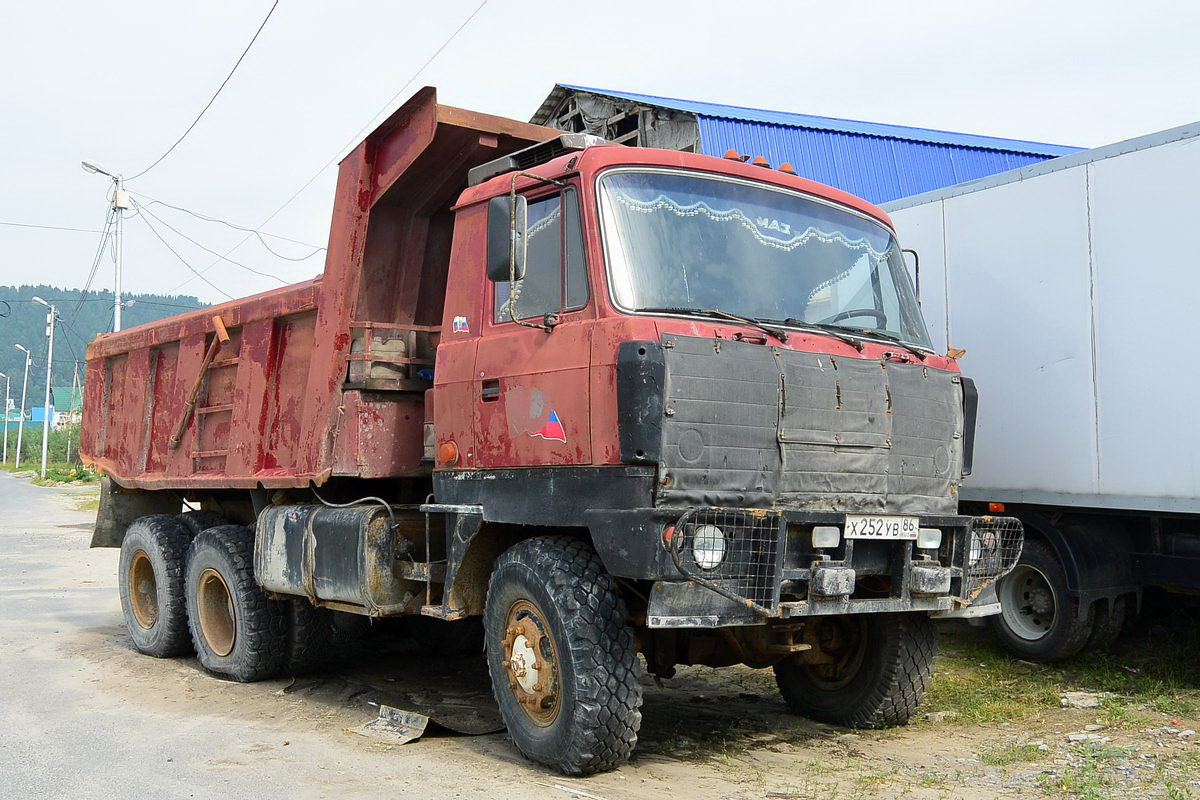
point(876, 168)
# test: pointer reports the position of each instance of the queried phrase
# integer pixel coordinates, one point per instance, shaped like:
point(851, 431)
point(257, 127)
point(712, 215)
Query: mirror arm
point(512, 251)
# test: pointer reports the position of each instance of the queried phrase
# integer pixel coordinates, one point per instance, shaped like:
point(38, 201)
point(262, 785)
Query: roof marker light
point(761, 161)
point(788, 168)
point(733, 155)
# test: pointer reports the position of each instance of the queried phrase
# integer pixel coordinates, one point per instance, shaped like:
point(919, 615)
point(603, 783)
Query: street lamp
point(21, 419)
point(120, 202)
point(7, 385)
point(51, 315)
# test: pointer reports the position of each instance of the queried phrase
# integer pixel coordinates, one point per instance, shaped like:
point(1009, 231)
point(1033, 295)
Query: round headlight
point(708, 546)
point(976, 549)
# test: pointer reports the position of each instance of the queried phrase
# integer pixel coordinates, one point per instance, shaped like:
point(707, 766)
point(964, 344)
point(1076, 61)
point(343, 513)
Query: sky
point(117, 83)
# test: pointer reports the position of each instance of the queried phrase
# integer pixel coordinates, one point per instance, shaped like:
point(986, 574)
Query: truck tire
point(1038, 619)
point(236, 629)
point(150, 577)
point(882, 667)
point(562, 660)
point(309, 637)
point(196, 521)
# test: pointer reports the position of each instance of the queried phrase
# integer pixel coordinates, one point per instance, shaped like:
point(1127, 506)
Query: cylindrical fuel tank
point(343, 555)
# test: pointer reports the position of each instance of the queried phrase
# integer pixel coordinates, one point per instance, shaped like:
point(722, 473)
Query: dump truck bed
point(324, 377)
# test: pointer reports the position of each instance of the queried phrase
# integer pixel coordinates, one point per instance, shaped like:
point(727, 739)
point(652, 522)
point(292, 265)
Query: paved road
point(84, 716)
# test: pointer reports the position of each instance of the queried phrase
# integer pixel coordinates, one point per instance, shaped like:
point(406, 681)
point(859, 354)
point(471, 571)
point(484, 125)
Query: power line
point(49, 227)
point(253, 39)
point(109, 218)
point(207, 249)
point(182, 260)
point(357, 136)
point(259, 233)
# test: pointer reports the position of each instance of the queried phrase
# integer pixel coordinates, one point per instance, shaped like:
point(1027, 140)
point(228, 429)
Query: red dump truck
point(610, 400)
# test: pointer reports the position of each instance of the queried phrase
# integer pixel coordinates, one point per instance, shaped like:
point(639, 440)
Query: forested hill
point(84, 314)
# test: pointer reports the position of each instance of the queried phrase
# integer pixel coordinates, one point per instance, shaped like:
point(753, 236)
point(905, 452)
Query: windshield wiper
point(778, 333)
point(921, 355)
point(817, 327)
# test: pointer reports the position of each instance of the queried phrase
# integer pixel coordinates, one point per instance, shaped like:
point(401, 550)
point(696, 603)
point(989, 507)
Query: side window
point(555, 257)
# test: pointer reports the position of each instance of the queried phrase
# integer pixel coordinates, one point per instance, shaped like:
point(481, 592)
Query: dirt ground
point(83, 715)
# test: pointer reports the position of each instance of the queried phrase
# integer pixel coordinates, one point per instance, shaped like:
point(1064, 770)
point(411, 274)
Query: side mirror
point(506, 245)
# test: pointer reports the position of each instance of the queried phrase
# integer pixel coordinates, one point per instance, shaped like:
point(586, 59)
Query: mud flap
point(119, 507)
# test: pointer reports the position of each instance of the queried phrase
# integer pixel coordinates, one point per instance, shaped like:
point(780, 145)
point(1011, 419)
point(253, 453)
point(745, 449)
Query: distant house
point(875, 161)
point(67, 405)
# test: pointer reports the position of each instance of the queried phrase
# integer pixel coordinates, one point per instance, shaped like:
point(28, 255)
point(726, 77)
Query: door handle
point(491, 390)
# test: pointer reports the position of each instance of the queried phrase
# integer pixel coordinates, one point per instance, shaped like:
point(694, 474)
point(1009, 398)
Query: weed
point(1004, 754)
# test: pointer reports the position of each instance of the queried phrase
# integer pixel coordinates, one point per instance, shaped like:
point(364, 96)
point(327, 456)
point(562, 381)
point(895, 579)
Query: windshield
point(685, 240)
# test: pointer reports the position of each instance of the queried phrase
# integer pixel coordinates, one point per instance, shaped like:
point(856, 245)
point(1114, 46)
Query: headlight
point(976, 549)
point(825, 536)
point(708, 546)
point(930, 538)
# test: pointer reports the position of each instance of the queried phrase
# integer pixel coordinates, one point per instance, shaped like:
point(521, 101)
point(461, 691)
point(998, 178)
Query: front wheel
point(561, 658)
point(864, 671)
point(1039, 619)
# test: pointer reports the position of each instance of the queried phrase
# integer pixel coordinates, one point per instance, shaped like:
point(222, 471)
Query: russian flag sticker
point(552, 429)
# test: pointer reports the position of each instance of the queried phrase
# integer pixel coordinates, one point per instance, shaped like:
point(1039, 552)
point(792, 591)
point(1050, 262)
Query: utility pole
point(120, 203)
point(51, 315)
point(7, 386)
point(21, 419)
point(71, 410)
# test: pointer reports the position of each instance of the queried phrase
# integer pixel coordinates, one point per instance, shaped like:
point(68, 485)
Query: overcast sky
point(117, 83)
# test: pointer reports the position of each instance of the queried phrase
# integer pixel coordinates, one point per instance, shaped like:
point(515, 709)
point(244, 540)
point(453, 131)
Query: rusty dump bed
point(315, 379)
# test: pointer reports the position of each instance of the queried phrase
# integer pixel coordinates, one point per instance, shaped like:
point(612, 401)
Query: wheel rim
point(846, 641)
point(531, 663)
point(218, 620)
point(1027, 602)
point(143, 590)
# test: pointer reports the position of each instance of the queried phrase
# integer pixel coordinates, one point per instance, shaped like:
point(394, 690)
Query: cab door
point(532, 390)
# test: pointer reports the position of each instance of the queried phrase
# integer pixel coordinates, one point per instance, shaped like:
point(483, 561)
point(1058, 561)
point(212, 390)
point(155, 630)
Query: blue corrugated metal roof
point(785, 118)
point(874, 161)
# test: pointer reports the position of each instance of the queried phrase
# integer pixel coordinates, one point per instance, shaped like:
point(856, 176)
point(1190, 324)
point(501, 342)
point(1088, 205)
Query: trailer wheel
point(874, 672)
point(1038, 619)
point(236, 629)
point(561, 658)
point(150, 578)
point(196, 521)
point(309, 637)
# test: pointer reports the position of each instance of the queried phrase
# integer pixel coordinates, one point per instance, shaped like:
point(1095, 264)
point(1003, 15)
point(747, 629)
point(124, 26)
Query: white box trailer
point(1074, 286)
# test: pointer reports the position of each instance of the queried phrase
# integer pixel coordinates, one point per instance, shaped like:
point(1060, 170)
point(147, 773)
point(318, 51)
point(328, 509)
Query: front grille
point(750, 569)
point(993, 547)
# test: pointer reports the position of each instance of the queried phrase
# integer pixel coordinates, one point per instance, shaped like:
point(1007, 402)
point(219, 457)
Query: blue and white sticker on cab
point(459, 325)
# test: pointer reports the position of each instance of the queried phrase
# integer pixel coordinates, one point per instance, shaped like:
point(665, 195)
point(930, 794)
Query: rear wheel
point(561, 658)
point(1038, 619)
point(236, 629)
point(866, 670)
point(150, 578)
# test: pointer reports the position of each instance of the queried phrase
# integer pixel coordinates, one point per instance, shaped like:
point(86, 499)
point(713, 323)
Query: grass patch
point(1004, 754)
point(1088, 777)
point(1154, 671)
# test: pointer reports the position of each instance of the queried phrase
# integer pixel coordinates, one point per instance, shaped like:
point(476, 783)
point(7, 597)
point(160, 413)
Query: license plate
point(866, 526)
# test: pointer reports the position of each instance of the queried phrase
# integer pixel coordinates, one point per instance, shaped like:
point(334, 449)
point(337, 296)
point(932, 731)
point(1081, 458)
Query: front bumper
point(770, 569)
